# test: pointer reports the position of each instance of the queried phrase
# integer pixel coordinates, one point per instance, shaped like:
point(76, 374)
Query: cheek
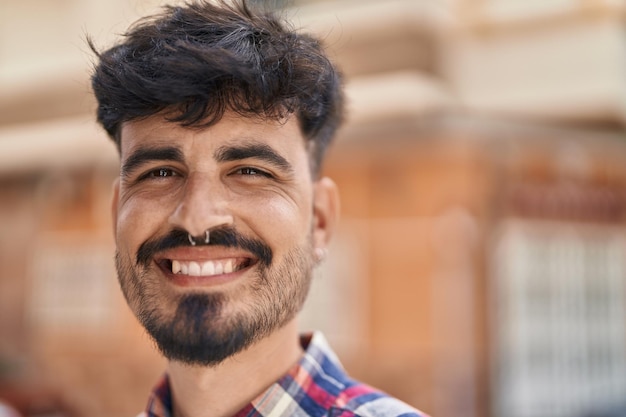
point(281, 221)
point(136, 221)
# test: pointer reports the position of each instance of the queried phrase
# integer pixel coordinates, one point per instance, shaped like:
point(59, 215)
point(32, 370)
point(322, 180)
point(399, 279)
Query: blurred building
point(480, 269)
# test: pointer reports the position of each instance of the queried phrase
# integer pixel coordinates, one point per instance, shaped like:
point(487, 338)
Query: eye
point(161, 173)
point(252, 172)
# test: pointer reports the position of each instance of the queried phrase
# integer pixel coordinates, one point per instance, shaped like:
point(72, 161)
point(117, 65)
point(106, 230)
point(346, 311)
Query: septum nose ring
point(193, 240)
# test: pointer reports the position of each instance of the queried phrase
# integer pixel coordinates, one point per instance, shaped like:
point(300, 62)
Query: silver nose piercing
point(192, 240)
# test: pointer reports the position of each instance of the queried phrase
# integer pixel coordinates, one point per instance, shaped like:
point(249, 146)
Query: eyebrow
point(147, 154)
point(252, 150)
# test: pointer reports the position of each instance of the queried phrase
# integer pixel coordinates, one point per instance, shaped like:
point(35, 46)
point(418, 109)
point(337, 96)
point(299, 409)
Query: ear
point(325, 212)
point(114, 203)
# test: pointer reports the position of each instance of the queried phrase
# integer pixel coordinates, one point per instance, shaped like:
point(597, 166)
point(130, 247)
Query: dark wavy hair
point(194, 62)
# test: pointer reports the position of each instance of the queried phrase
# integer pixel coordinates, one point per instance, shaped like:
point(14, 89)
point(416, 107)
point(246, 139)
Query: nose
point(203, 206)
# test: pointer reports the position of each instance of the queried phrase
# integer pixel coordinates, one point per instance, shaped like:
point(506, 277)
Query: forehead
point(284, 136)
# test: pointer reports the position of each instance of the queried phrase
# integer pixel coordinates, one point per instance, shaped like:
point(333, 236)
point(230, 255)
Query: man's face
point(248, 183)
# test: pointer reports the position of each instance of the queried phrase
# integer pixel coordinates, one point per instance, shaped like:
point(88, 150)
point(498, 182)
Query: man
point(222, 117)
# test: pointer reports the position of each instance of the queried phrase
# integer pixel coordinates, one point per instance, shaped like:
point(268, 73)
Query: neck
point(224, 389)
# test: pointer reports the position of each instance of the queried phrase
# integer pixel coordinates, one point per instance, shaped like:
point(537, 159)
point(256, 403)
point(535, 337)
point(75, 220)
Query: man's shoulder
point(347, 397)
point(361, 400)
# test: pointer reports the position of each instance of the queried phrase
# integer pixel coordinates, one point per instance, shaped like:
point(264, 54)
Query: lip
point(200, 255)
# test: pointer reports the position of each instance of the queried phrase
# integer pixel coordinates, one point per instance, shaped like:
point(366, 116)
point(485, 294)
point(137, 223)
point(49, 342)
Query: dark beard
point(198, 333)
point(187, 337)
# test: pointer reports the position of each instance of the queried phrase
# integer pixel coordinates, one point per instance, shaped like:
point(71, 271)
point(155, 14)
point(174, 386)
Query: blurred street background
point(480, 268)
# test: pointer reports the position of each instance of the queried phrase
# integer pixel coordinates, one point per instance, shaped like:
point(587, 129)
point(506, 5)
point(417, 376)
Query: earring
point(320, 254)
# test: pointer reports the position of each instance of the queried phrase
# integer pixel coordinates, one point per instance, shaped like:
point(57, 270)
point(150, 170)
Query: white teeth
point(205, 269)
point(194, 269)
point(208, 268)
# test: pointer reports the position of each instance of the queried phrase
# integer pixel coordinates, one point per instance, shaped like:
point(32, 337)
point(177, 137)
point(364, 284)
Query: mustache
point(225, 236)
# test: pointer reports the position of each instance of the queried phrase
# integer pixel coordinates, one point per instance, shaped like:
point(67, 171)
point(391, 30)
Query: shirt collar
point(312, 384)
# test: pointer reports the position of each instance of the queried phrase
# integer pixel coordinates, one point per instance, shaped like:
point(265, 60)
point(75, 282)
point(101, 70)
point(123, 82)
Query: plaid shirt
point(316, 386)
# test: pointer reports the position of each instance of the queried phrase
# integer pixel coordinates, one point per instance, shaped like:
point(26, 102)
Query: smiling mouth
point(207, 268)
